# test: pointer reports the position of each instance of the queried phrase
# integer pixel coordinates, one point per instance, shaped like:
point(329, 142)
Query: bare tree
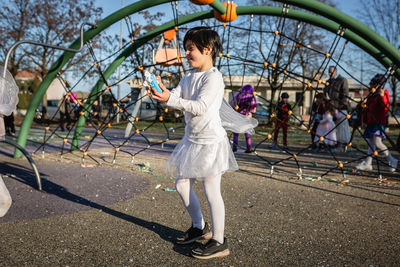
point(383, 16)
point(54, 22)
point(290, 45)
point(15, 21)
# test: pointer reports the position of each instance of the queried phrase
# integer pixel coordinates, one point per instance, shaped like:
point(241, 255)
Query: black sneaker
point(212, 249)
point(234, 148)
point(193, 234)
point(248, 151)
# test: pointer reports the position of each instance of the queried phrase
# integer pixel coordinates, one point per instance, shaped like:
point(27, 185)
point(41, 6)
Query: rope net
point(274, 55)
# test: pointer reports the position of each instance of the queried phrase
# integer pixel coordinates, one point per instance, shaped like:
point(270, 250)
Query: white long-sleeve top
point(199, 95)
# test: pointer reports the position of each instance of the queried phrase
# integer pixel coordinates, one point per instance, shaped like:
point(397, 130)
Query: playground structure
point(337, 23)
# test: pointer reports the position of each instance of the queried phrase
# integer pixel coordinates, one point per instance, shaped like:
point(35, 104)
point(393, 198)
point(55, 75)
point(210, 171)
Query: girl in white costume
point(204, 152)
point(326, 129)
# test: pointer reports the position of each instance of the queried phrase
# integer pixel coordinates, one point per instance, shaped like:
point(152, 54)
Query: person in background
point(74, 103)
point(65, 108)
point(337, 92)
point(9, 124)
point(282, 120)
point(375, 116)
point(95, 113)
point(317, 113)
point(343, 134)
point(337, 89)
point(326, 129)
point(245, 103)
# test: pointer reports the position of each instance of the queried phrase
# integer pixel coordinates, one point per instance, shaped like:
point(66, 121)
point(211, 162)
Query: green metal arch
point(349, 23)
point(327, 25)
point(264, 10)
point(384, 57)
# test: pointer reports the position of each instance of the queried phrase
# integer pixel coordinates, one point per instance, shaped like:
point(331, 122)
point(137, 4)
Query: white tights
point(212, 190)
point(5, 198)
point(376, 142)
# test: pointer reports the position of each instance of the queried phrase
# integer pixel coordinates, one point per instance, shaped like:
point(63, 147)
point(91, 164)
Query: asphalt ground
point(128, 214)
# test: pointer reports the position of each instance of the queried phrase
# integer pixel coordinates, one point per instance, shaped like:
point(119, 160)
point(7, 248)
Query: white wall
point(56, 90)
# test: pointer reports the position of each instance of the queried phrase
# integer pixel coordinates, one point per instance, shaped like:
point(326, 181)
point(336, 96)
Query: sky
point(349, 7)
point(110, 6)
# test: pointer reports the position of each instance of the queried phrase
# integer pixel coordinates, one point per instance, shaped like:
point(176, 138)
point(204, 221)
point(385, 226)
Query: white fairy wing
point(5, 198)
point(234, 121)
point(8, 93)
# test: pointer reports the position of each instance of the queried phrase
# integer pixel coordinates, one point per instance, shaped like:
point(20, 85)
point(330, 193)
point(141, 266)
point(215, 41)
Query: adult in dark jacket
point(337, 93)
point(337, 90)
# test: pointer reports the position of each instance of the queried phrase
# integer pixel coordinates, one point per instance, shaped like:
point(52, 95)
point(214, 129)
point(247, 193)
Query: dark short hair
point(378, 79)
point(319, 95)
point(284, 95)
point(203, 37)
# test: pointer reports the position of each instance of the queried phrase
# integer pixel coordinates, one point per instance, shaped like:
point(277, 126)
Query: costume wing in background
point(234, 121)
point(8, 93)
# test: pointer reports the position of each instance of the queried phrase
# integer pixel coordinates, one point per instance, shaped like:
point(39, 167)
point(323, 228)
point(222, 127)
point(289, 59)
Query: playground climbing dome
point(270, 52)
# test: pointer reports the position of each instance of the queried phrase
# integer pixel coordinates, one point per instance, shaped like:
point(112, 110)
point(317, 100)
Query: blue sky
point(110, 6)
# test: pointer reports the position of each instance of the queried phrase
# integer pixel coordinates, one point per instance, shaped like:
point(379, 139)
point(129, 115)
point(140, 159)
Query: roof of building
point(27, 75)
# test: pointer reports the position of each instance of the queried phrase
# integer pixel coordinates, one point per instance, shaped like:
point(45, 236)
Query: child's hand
point(161, 97)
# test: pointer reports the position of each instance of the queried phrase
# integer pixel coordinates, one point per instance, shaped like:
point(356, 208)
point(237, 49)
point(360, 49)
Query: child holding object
point(8, 103)
point(204, 153)
point(375, 116)
point(246, 104)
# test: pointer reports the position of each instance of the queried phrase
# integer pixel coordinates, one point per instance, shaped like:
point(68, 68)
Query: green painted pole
point(218, 6)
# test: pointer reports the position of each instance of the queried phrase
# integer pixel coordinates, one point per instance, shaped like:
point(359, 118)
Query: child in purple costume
point(247, 105)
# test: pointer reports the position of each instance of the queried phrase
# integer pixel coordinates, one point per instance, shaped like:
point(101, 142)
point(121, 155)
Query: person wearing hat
point(282, 120)
point(375, 116)
point(246, 104)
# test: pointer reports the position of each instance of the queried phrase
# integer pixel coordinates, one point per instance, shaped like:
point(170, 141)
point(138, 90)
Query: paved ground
point(127, 214)
point(66, 188)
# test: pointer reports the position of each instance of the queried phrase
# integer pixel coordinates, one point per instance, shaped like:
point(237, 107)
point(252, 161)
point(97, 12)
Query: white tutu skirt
point(343, 133)
point(191, 160)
